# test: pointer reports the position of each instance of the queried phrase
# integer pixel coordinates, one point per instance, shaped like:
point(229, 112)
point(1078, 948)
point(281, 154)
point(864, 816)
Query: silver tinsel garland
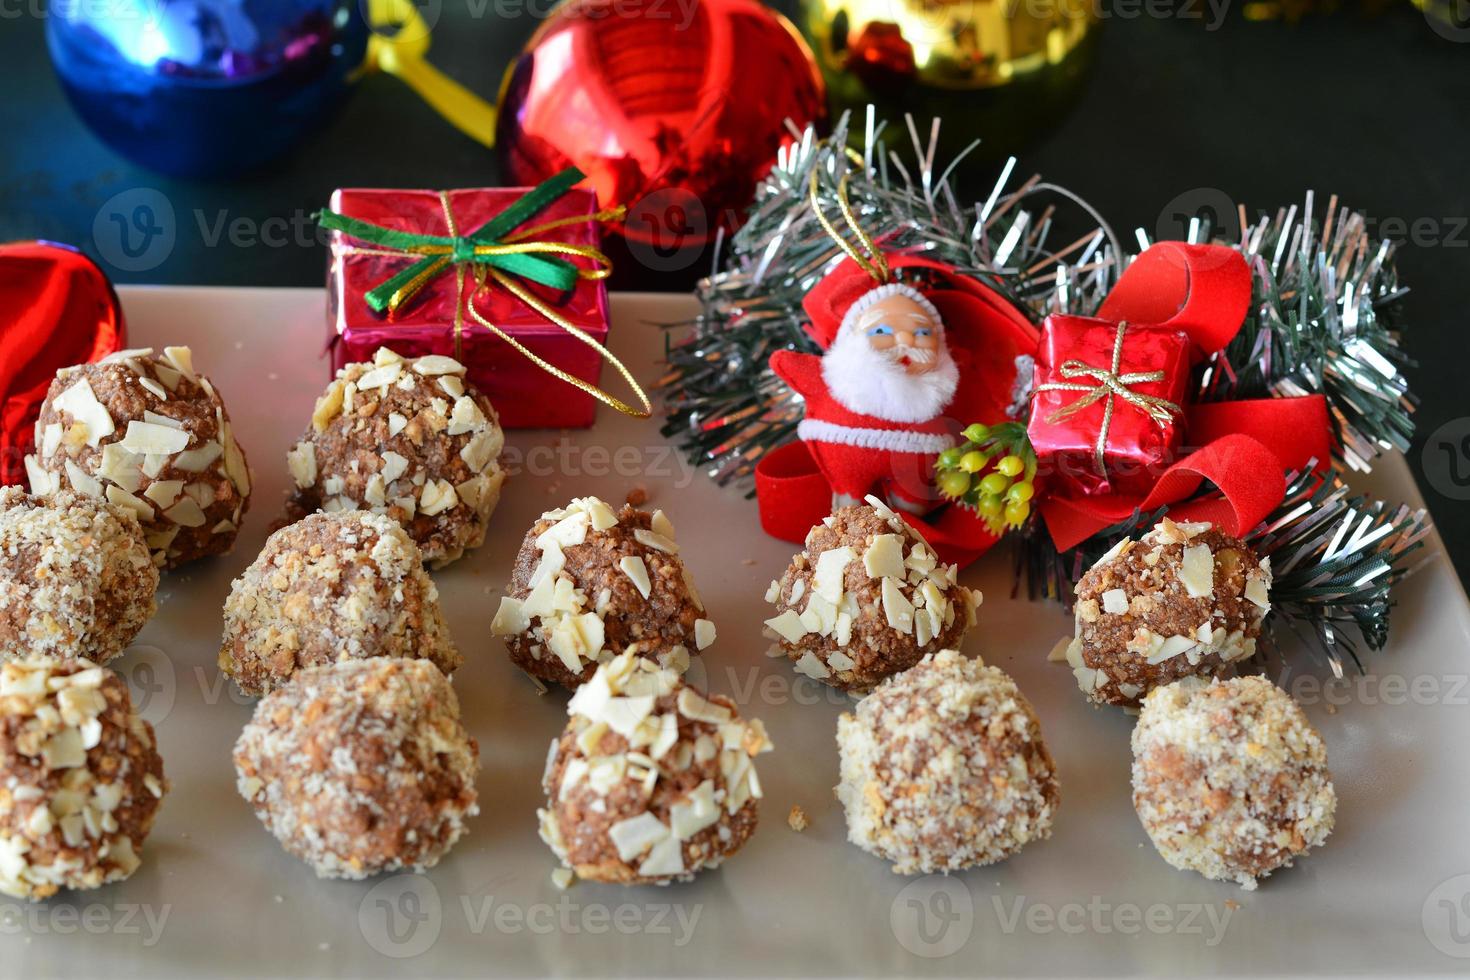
point(1322, 320)
point(1334, 556)
point(724, 405)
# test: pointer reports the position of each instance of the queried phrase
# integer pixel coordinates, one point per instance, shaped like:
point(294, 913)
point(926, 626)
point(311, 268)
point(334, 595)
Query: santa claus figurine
point(907, 364)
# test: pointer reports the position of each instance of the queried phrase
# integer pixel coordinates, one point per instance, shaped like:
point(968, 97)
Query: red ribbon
point(793, 495)
point(1245, 446)
point(58, 310)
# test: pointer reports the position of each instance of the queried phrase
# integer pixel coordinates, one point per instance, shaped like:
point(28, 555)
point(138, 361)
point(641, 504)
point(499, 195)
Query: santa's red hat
point(830, 300)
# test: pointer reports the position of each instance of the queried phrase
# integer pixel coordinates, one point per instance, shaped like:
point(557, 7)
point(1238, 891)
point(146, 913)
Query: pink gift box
point(435, 320)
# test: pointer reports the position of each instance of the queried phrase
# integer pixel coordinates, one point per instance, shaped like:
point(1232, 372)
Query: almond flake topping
point(433, 365)
point(637, 571)
point(81, 403)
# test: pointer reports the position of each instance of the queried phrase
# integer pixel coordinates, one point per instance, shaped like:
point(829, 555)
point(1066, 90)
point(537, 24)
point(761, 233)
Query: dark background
point(1372, 107)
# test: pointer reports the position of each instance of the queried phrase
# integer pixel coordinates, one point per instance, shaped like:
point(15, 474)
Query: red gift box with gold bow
point(1242, 446)
point(495, 331)
point(1105, 417)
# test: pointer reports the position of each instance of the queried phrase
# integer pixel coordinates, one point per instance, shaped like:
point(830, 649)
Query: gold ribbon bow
point(869, 257)
point(1109, 386)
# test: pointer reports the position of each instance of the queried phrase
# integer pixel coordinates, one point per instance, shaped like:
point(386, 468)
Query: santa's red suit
point(861, 454)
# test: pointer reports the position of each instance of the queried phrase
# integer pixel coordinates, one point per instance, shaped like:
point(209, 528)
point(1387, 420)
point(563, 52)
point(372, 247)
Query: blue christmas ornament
point(205, 88)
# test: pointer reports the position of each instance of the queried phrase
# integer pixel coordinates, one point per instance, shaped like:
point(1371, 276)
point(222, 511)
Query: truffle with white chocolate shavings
point(361, 766)
point(866, 599)
point(1229, 778)
point(76, 578)
point(1185, 600)
point(409, 438)
point(590, 582)
point(145, 431)
point(944, 768)
point(651, 781)
point(80, 778)
point(343, 586)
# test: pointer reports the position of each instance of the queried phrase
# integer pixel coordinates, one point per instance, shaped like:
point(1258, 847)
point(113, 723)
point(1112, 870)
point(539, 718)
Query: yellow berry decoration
point(954, 484)
point(992, 472)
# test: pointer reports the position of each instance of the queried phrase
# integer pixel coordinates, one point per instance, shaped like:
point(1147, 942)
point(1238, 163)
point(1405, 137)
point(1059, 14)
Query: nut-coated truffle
point(944, 768)
point(1229, 778)
point(865, 599)
point(342, 586)
point(1186, 600)
point(149, 433)
point(361, 766)
point(76, 578)
point(80, 778)
point(651, 781)
point(590, 583)
point(409, 438)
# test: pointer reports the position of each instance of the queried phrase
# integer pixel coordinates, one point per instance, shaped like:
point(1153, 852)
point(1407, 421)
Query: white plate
point(1389, 894)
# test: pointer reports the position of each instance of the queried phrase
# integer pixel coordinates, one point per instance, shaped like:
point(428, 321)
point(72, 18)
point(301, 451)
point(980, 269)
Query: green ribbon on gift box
point(491, 245)
point(497, 252)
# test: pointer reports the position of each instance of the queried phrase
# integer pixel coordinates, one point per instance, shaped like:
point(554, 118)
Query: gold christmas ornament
point(1000, 70)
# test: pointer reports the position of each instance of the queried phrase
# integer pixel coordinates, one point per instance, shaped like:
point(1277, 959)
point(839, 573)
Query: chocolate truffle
point(1186, 600)
point(866, 599)
point(80, 778)
point(589, 583)
point(1229, 778)
point(944, 768)
point(76, 578)
point(651, 781)
point(343, 586)
point(146, 432)
point(361, 766)
point(409, 438)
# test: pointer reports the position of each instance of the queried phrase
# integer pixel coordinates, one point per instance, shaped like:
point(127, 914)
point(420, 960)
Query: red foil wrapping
point(436, 319)
point(59, 310)
point(1137, 448)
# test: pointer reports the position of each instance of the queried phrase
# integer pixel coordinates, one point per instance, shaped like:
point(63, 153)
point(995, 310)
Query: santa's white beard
point(873, 382)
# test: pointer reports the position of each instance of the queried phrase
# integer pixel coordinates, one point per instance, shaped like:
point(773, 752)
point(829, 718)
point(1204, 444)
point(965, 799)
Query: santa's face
point(903, 333)
point(892, 363)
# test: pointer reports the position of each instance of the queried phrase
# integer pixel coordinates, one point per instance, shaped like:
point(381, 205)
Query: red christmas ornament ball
point(675, 110)
point(57, 309)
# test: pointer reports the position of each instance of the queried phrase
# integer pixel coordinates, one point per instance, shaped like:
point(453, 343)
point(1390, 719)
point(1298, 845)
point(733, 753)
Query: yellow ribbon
point(399, 43)
point(873, 263)
point(525, 296)
point(1110, 385)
